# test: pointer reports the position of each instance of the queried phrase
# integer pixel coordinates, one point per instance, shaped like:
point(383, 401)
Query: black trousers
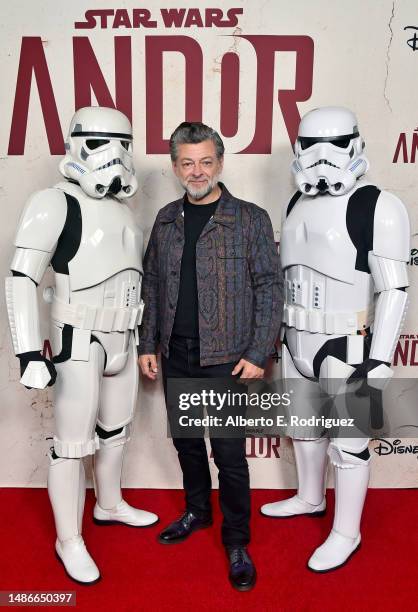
point(228, 453)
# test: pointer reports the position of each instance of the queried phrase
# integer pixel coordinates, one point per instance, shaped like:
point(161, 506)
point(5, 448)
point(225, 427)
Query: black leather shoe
point(181, 529)
point(242, 574)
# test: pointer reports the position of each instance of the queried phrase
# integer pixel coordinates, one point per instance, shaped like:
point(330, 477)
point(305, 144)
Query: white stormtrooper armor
point(87, 233)
point(344, 247)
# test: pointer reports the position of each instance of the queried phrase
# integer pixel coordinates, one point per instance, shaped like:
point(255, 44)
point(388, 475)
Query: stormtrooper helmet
point(99, 153)
point(328, 152)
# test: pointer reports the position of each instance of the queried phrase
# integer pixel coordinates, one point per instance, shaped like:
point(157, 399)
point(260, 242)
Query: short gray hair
point(193, 133)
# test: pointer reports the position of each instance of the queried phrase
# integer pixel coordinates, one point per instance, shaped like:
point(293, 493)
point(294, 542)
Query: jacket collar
point(225, 213)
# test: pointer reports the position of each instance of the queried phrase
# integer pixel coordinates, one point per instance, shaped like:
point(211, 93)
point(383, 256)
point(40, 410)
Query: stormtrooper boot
point(67, 490)
point(311, 461)
point(110, 508)
point(351, 481)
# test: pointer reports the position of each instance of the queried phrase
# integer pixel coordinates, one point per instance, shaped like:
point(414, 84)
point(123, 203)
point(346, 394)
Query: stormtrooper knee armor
point(344, 246)
point(83, 228)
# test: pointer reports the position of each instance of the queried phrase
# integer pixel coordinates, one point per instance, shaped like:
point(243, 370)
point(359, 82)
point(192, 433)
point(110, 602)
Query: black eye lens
point(343, 144)
point(305, 143)
point(95, 143)
point(125, 144)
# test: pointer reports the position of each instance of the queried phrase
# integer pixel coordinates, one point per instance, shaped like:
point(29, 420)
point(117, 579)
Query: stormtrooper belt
point(325, 322)
point(103, 319)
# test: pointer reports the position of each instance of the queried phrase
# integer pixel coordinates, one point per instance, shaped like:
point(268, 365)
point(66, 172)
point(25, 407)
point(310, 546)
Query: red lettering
point(155, 46)
point(401, 145)
point(265, 47)
point(213, 17)
point(262, 447)
point(173, 17)
point(88, 76)
point(229, 94)
point(32, 59)
point(104, 14)
point(89, 23)
point(413, 361)
point(414, 147)
point(89, 80)
point(121, 19)
point(47, 350)
point(142, 17)
point(274, 447)
point(401, 353)
point(193, 18)
point(232, 14)
point(250, 448)
point(260, 452)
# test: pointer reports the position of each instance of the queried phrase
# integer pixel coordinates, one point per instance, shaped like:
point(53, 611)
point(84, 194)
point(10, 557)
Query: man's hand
point(148, 365)
point(249, 370)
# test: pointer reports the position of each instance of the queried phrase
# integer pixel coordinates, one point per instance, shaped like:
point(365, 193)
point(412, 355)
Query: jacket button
point(173, 273)
point(171, 306)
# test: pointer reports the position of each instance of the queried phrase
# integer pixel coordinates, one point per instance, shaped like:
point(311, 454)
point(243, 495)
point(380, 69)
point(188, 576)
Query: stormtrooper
point(344, 247)
point(84, 229)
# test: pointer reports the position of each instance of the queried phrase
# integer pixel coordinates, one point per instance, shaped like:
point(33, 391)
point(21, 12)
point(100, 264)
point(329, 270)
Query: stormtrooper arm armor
point(387, 263)
point(390, 306)
point(39, 229)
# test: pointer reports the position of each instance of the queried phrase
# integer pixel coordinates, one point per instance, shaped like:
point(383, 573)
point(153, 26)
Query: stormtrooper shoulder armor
point(42, 221)
point(391, 231)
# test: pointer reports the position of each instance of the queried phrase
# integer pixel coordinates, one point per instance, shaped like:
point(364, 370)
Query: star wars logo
point(89, 79)
point(396, 447)
point(171, 17)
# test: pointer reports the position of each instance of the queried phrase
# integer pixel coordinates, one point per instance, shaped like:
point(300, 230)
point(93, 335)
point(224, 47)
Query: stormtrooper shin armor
point(344, 246)
point(87, 233)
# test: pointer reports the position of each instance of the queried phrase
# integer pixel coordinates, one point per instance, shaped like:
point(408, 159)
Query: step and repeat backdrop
point(248, 69)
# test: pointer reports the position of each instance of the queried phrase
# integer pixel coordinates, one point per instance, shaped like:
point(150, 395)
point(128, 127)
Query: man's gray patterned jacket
point(239, 281)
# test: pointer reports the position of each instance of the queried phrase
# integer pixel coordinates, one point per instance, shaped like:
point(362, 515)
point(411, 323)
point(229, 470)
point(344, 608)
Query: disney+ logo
point(396, 447)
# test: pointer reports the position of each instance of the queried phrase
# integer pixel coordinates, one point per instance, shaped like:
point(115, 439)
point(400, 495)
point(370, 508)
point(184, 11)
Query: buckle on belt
point(89, 317)
point(81, 316)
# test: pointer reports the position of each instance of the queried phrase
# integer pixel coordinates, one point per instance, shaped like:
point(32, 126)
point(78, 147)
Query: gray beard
point(199, 194)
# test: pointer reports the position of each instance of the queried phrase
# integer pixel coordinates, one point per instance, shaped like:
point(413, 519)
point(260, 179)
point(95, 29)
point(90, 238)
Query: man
point(344, 249)
point(83, 228)
point(212, 289)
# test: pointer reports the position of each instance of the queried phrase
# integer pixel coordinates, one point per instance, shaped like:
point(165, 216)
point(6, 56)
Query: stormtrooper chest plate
point(315, 235)
point(110, 241)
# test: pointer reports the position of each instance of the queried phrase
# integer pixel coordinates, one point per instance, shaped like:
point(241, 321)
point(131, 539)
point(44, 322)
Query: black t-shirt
point(186, 322)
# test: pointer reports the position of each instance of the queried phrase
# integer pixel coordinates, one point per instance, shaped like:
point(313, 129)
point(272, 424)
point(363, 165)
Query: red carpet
point(140, 574)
